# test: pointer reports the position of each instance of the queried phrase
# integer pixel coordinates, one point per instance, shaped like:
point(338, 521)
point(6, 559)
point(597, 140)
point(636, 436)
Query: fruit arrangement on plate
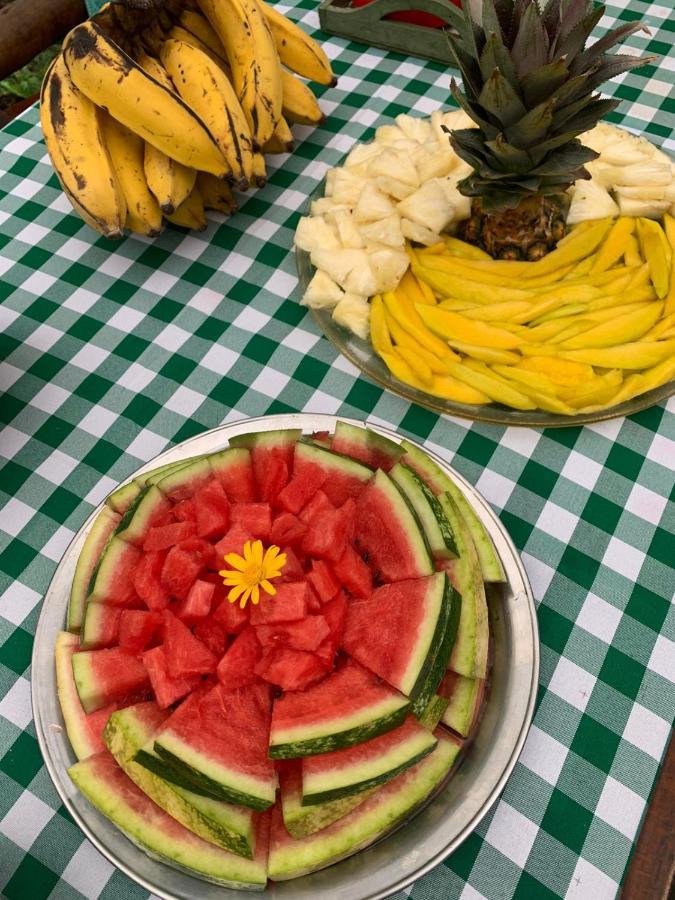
point(274, 653)
point(159, 110)
point(517, 251)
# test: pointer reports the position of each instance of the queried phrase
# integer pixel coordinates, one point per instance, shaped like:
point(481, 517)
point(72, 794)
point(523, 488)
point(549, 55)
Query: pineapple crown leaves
point(528, 78)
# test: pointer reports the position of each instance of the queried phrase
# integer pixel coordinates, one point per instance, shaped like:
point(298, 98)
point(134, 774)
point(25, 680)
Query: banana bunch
point(159, 111)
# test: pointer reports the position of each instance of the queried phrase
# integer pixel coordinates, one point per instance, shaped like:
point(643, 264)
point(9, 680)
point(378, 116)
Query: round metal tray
point(409, 852)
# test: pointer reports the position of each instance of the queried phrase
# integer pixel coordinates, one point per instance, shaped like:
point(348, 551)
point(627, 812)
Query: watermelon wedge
point(114, 794)
point(348, 707)
point(340, 477)
point(108, 676)
point(150, 508)
point(121, 499)
point(272, 457)
point(330, 776)
point(388, 805)
point(366, 445)
point(101, 626)
point(181, 483)
point(112, 578)
point(216, 745)
point(99, 534)
point(388, 532)
point(228, 826)
point(437, 530)
point(234, 470)
point(465, 698)
point(301, 821)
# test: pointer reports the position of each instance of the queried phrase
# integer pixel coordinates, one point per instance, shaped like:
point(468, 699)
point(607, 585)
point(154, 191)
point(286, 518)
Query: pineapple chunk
point(384, 231)
point(314, 233)
point(346, 187)
point(418, 233)
point(339, 263)
point(431, 162)
point(590, 201)
point(361, 156)
point(601, 173)
point(347, 232)
point(394, 164)
point(649, 172)
point(361, 280)
point(429, 206)
point(650, 209)
point(457, 118)
point(388, 266)
point(353, 312)
point(325, 205)
point(643, 191)
point(372, 204)
point(388, 134)
point(394, 188)
point(461, 203)
point(416, 129)
point(322, 292)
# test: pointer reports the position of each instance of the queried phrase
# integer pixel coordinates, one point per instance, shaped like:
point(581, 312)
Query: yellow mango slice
point(536, 380)
point(486, 354)
point(560, 371)
point(600, 389)
point(620, 330)
point(458, 305)
point(379, 333)
point(577, 326)
point(562, 312)
point(451, 389)
point(578, 247)
point(547, 331)
point(433, 273)
point(634, 355)
point(453, 326)
point(640, 278)
point(400, 369)
point(614, 245)
point(575, 231)
point(425, 290)
point(669, 225)
point(403, 338)
point(495, 388)
point(580, 269)
point(464, 250)
point(661, 327)
point(631, 253)
point(659, 374)
point(497, 312)
point(534, 350)
point(657, 251)
point(416, 363)
point(636, 295)
point(407, 317)
point(411, 286)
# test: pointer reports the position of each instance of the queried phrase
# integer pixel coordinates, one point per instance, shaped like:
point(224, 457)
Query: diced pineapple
point(360, 156)
point(647, 172)
point(347, 187)
point(394, 188)
point(339, 263)
point(384, 231)
point(461, 203)
point(416, 129)
point(394, 164)
point(325, 205)
point(650, 209)
point(600, 172)
point(361, 280)
point(314, 233)
point(429, 206)
point(432, 162)
point(590, 201)
point(372, 204)
point(388, 267)
point(457, 118)
point(418, 233)
point(347, 232)
point(322, 292)
point(388, 134)
point(353, 312)
point(643, 191)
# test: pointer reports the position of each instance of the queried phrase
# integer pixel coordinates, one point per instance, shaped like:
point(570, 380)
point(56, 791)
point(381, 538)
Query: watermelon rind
point(462, 706)
point(156, 475)
point(343, 772)
point(433, 712)
point(309, 451)
point(91, 672)
point(136, 521)
point(428, 510)
point(440, 483)
point(346, 437)
point(122, 497)
point(99, 534)
point(336, 733)
point(227, 826)
point(93, 626)
point(195, 474)
point(444, 640)
point(113, 793)
point(104, 577)
point(83, 742)
point(379, 814)
point(280, 436)
point(301, 821)
point(470, 652)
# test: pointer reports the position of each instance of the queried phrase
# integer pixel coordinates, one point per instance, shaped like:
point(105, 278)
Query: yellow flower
point(251, 572)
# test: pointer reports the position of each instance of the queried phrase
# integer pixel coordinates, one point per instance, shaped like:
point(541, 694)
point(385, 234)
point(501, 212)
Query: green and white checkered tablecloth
point(109, 353)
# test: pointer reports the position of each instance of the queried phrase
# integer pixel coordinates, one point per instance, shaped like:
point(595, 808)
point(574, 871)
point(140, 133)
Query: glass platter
point(404, 855)
point(362, 355)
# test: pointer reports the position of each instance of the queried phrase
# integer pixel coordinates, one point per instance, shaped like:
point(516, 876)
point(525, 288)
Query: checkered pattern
point(110, 353)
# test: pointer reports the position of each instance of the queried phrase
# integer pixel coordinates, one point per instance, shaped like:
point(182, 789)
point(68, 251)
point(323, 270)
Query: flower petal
point(255, 595)
point(236, 592)
point(268, 587)
point(236, 561)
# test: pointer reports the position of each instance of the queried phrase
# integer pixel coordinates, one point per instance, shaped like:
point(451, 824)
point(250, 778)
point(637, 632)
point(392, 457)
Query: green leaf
point(596, 50)
point(609, 67)
point(572, 14)
point(513, 159)
point(540, 84)
point(467, 65)
point(496, 56)
point(491, 23)
point(500, 100)
point(552, 17)
point(589, 116)
point(530, 46)
point(533, 127)
point(474, 111)
point(575, 41)
point(566, 160)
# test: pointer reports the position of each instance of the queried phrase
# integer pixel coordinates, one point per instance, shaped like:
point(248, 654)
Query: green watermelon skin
point(365, 445)
point(301, 821)
point(445, 638)
point(99, 534)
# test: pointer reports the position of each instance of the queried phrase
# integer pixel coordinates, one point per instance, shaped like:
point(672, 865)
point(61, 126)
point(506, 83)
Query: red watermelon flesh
point(322, 580)
point(237, 479)
point(306, 481)
point(231, 616)
point(353, 573)
point(233, 542)
point(288, 604)
point(109, 676)
point(183, 565)
point(138, 629)
point(185, 654)
point(161, 537)
point(197, 604)
point(321, 437)
point(147, 580)
point(365, 451)
point(272, 466)
point(292, 570)
point(184, 511)
point(379, 534)
point(313, 602)
point(101, 626)
point(327, 534)
point(212, 634)
point(305, 634)
point(291, 670)
point(318, 504)
point(165, 688)
point(236, 668)
point(348, 513)
point(256, 518)
point(287, 529)
point(335, 614)
point(212, 510)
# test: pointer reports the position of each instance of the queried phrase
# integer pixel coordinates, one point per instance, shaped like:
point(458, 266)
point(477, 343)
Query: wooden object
point(29, 26)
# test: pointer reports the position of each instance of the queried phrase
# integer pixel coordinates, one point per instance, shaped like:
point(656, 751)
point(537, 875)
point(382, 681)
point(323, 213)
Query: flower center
point(252, 571)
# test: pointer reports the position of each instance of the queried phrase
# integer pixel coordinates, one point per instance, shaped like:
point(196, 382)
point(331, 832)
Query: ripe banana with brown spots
point(282, 139)
point(201, 28)
point(252, 55)
point(110, 78)
point(70, 124)
point(216, 194)
point(190, 214)
point(297, 50)
point(299, 103)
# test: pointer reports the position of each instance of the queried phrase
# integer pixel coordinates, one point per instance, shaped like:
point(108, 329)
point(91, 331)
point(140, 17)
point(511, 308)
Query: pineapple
point(528, 85)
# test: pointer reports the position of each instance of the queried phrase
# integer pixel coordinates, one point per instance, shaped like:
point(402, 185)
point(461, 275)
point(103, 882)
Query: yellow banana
point(299, 103)
point(126, 152)
point(167, 179)
point(206, 88)
point(216, 194)
point(72, 132)
point(252, 54)
point(110, 78)
point(190, 214)
point(297, 50)
point(259, 170)
point(281, 140)
point(200, 27)
point(179, 33)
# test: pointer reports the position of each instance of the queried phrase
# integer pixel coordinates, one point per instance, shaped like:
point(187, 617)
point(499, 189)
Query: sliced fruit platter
point(514, 259)
point(275, 653)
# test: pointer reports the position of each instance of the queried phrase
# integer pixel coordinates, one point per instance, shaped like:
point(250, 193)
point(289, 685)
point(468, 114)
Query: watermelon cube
point(322, 580)
point(301, 488)
point(185, 654)
point(348, 512)
point(233, 542)
point(147, 580)
point(165, 688)
point(183, 565)
point(256, 518)
point(212, 509)
point(327, 535)
point(292, 570)
point(184, 511)
point(271, 477)
point(137, 629)
point(197, 604)
point(287, 529)
point(335, 614)
point(353, 573)
point(313, 603)
point(289, 603)
point(236, 668)
point(291, 670)
point(319, 503)
point(162, 537)
point(231, 616)
point(305, 634)
point(211, 633)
